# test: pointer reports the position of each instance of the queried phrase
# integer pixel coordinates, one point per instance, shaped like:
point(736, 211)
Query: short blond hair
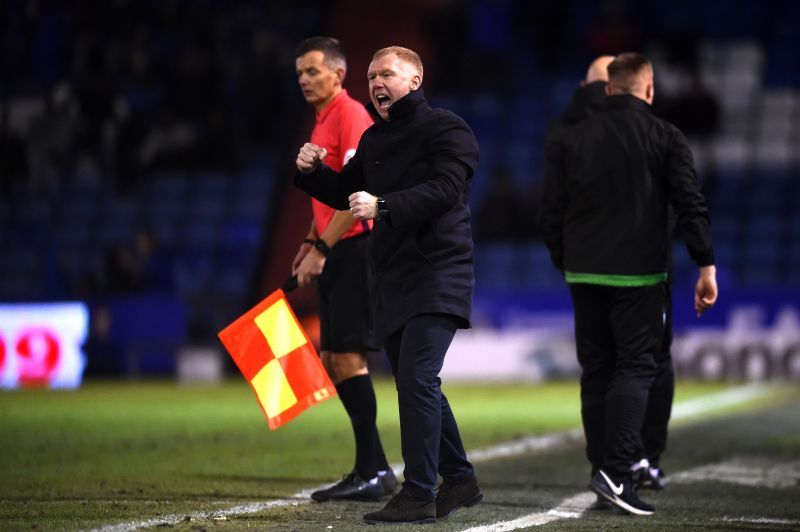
point(404, 54)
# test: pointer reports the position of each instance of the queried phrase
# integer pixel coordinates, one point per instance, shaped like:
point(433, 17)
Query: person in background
point(334, 254)
point(605, 219)
point(588, 99)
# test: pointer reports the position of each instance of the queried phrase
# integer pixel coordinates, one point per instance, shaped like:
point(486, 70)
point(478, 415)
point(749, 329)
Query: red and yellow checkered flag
point(278, 360)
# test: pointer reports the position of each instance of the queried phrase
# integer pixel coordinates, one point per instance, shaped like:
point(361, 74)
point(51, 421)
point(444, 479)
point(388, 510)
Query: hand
point(309, 157)
point(705, 291)
point(310, 267)
point(363, 205)
point(305, 247)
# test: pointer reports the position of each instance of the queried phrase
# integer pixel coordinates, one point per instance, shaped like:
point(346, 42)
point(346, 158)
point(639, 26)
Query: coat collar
point(586, 101)
point(404, 107)
point(618, 101)
point(408, 105)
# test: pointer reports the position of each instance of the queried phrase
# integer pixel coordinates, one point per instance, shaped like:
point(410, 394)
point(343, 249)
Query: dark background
point(147, 147)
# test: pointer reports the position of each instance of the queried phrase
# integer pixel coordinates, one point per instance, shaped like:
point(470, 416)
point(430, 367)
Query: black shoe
point(651, 478)
point(601, 505)
point(403, 508)
point(620, 493)
point(451, 496)
point(389, 481)
point(352, 487)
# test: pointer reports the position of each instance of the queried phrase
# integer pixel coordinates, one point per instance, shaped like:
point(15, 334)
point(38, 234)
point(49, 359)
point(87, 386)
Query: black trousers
point(618, 333)
point(429, 434)
point(659, 402)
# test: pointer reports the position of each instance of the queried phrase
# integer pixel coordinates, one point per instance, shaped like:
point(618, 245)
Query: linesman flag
point(278, 360)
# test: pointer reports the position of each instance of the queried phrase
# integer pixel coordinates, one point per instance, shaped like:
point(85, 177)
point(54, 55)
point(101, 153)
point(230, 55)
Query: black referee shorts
point(344, 315)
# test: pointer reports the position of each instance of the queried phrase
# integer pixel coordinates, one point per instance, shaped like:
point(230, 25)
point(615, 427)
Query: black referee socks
point(358, 398)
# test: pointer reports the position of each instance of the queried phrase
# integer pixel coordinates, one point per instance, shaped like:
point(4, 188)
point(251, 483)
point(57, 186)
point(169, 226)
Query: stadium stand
point(106, 133)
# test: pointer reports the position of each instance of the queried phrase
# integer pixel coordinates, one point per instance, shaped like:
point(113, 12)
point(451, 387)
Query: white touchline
point(761, 472)
point(572, 505)
point(704, 404)
point(568, 509)
point(174, 519)
point(760, 520)
point(682, 410)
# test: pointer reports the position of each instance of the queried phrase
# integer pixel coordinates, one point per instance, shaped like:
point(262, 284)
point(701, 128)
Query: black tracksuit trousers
point(659, 402)
point(619, 334)
point(429, 435)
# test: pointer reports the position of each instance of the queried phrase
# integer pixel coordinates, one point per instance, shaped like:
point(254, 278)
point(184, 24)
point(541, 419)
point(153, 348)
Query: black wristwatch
point(322, 247)
point(382, 208)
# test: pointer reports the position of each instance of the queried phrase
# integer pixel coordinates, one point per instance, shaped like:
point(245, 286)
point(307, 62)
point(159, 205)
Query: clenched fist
point(363, 205)
point(309, 157)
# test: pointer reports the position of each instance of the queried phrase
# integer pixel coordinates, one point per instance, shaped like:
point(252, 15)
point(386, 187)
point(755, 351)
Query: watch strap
point(322, 247)
point(381, 208)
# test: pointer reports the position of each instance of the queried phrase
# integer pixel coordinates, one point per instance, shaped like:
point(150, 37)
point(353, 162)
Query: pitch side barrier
point(52, 344)
point(749, 335)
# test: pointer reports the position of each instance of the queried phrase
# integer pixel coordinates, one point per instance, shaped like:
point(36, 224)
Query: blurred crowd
point(126, 88)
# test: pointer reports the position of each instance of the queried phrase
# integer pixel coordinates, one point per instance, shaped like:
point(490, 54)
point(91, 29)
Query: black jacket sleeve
point(453, 154)
point(333, 188)
point(554, 202)
point(687, 200)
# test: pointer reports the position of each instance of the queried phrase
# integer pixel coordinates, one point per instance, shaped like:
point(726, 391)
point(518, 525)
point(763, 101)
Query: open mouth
point(383, 101)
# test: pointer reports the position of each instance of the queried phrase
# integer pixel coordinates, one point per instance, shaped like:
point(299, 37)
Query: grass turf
point(115, 452)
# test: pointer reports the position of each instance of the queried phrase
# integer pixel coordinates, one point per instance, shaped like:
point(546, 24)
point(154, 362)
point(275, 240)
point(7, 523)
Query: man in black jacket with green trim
point(588, 99)
point(411, 174)
point(604, 218)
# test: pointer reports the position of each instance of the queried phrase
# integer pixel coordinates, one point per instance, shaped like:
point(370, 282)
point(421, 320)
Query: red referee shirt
point(338, 129)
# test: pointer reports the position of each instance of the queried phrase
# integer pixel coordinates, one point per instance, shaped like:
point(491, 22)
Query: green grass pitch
point(117, 452)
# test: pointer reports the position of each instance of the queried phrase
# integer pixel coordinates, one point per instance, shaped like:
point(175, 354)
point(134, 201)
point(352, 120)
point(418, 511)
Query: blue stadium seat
point(258, 185)
point(164, 209)
point(5, 212)
point(758, 276)
point(764, 227)
point(170, 184)
point(231, 282)
point(251, 207)
point(72, 234)
point(20, 261)
point(536, 269)
point(212, 184)
point(78, 208)
point(768, 195)
point(727, 254)
point(118, 210)
point(193, 272)
point(240, 232)
point(32, 211)
point(115, 231)
point(765, 252)
point(199, 235)
point(206, 207)
point(23, 286)
point(497, 265)
point(725, 227)
point(166, 233)
point(725, 196)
